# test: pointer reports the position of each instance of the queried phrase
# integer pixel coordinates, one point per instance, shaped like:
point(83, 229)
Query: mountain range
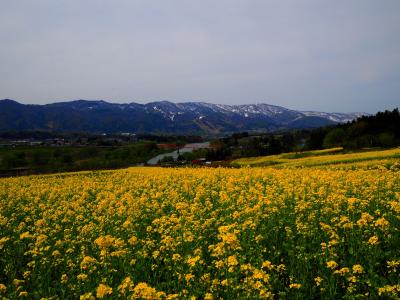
point(98, 116)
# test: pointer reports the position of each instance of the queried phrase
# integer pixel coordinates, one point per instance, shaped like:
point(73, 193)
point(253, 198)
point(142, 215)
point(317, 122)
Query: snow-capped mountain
point(160, 117)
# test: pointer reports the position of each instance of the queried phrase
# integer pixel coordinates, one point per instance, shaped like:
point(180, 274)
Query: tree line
point(380, 130)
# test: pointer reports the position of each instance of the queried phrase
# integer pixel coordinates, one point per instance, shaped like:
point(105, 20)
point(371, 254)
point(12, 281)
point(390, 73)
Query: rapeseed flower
point(103, 291)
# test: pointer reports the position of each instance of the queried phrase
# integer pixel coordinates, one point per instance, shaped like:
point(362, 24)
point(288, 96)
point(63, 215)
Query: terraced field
point(328, 157)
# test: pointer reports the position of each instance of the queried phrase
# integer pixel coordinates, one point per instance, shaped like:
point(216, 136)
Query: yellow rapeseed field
point(202, 233)
point(327, 157)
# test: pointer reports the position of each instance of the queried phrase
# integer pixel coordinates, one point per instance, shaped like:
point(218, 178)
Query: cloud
point(320, 55)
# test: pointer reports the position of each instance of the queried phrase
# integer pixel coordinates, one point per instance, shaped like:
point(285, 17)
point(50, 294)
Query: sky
point(336, 56)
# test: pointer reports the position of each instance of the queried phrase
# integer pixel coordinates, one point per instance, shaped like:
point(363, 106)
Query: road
point(175, 154)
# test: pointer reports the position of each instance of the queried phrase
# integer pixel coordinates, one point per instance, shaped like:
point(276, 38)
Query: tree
point(387, 139)
point(334, 138)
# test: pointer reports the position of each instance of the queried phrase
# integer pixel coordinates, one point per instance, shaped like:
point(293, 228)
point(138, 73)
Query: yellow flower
point(17, 282)
point(155, 254)
point(323, 246)
point(127, 284)
point(229, 238)
point(373, 240)
point(64, 278)
point(40, 223)
point(219, 264)
point(318, 280)
point(294, 285)
point(224, 282)
point(25, 235)
point(159, 221)
point(331, 264)
point(352, 279)
point(133, 240)
point(267, 264)
point(191, 261)
point(27, 274)
point(87, 296)
point(189, 277)
point(232, 261)
point(3, 241)
point(176, 257)
point(342, 271)
point(280, 268)
point(392, 265)
point(41, 239)
point(142, 290)
point(208, 296)
point(103, 290)
point(105, 242)
point(392, 290)
point(258, 285)
point(126, 224)
point(82, 277)
point(87, 261)
point(382, 222)
point(258, 274)
point(357, 269)
point(118, 253)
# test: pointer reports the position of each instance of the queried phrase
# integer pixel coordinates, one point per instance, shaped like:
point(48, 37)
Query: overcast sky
point(322, 55)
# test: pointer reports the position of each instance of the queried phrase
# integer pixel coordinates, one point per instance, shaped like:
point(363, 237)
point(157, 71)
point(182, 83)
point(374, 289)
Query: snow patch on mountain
point(177, 117)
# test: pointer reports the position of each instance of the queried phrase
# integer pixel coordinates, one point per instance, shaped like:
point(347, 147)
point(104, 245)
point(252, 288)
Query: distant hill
point(159, 117)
